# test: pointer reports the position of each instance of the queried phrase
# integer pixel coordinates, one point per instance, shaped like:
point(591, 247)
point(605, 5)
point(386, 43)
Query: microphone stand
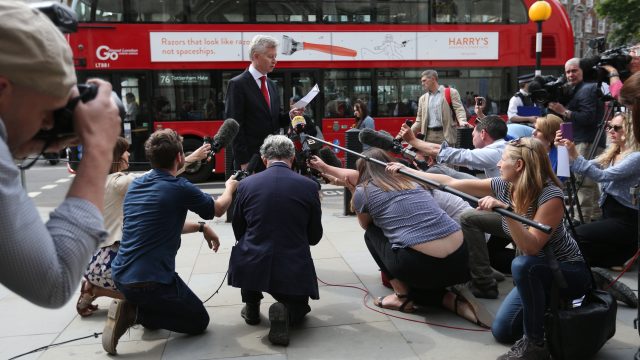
point(544, 228)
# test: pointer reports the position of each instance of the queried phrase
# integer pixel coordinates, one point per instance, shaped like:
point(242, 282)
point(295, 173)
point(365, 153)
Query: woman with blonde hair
point(617, 169)
point(527, 186)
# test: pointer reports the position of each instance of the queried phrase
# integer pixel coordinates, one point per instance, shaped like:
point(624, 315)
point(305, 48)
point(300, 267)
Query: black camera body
point(546, 89)
point(63, 118)
point(240, 174)
point(618, 58)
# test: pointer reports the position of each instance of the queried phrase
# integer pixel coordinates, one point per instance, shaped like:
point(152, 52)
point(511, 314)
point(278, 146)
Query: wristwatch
point(567, 114)
point(201, 228)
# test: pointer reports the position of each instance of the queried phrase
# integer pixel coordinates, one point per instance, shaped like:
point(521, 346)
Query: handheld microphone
point(384, 141)
point(224, 137)
point(298, 123)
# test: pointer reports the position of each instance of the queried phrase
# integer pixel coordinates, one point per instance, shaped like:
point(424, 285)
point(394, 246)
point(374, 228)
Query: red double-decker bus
point(176, 57)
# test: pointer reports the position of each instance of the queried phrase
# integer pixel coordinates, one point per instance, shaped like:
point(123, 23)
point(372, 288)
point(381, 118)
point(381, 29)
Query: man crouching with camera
point(44, 262)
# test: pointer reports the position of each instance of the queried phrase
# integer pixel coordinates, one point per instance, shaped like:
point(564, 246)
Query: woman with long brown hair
point(528, 186)
point(414, 242)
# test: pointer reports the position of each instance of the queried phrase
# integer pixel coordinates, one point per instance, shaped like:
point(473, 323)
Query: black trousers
point(426, 276)
point(297, 305)
point(612, 240)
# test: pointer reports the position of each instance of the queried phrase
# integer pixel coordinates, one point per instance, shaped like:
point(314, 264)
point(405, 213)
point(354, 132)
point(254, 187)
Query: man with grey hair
point(43, 262)
point(253, 100)
point(276, 217)
point(440, 110)
point(585, 111)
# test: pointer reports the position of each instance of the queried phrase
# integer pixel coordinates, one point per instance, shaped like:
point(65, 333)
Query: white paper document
point(315, 90)
point(563, 162)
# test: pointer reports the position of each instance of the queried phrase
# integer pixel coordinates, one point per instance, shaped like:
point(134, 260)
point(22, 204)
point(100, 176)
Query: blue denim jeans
point(522, 311)
point(167, 306)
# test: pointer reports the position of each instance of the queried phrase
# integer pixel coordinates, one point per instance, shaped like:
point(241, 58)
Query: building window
point(576, 2)
point(602, 25)
point(588, 23)
point(589, 3)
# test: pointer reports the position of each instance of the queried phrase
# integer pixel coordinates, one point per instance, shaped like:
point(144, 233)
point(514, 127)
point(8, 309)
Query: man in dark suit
point(253, 100)
point(276, 218)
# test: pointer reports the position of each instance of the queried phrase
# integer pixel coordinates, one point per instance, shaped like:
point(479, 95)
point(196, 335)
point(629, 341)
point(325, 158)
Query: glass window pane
point(518, 13)
point(342, 88)
point(157, 11)
point(346, 11)
point(467, 11)
point(219, 11)
point(286, 11)
point(109, 11)
point(83, 10)
point(181, 95)
point(402, 11)
point(398, 92)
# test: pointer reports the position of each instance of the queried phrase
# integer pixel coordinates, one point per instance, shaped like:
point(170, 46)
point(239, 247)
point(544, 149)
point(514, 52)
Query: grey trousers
point(475, 223)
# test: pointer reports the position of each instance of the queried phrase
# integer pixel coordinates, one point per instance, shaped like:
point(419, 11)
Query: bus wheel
point(196, 172)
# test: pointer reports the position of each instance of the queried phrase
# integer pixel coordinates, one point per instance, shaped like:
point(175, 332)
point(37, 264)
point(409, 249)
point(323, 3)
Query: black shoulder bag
point(577, 332)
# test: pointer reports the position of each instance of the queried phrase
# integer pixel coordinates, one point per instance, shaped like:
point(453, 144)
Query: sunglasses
point(615, 128)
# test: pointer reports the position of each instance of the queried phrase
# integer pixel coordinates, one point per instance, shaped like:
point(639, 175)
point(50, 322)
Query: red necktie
point(265, 91)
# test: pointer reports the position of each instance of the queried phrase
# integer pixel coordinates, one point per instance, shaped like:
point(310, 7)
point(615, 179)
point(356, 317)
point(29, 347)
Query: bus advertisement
point(175, 59)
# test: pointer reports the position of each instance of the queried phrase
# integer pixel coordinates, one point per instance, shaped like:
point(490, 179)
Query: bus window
point(221, 11)
point(402, 12)
point(109, 11)
point(83, 10)
point(346, 11)
point(518, 13)
point(342, 88)
point(152, 11)
point(181, 95)
point(286, 11)
point(398, 92)
point(468, 11)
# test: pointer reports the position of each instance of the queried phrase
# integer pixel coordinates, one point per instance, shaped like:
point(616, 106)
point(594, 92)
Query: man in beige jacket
point(435, 118)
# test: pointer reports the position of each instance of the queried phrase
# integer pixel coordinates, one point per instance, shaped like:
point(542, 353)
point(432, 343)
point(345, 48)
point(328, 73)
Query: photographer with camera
point(44, 262)
point(615, 82)
point(585, 111)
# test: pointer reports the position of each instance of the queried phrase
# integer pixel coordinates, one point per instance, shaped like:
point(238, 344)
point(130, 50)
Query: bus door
point(297, 84)
point(137, 122)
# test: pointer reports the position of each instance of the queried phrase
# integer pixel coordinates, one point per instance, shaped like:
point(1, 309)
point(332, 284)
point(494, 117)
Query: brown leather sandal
point(84, 306)
point(402, 308)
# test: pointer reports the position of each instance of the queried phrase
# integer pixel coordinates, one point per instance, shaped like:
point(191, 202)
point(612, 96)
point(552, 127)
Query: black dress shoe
point(251, 313)
point(279, 318)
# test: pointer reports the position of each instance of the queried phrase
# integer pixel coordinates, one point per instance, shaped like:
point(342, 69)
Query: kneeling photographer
point(584, 110)
point(44, 262)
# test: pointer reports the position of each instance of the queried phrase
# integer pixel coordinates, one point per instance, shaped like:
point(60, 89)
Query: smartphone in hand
point(567, 130)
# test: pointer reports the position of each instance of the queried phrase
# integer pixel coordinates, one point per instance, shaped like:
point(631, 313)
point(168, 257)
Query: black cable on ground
point(95, 335)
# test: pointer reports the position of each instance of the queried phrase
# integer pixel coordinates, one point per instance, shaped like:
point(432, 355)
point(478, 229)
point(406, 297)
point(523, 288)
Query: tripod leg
point(574, 197)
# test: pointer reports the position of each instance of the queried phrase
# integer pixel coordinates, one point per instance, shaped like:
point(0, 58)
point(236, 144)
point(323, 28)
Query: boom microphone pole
point(544, 228)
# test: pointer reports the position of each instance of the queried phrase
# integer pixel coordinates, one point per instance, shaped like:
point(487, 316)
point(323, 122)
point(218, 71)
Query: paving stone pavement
point(339, 326)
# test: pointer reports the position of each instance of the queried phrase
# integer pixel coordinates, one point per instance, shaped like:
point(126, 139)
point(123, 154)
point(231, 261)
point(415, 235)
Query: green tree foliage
point(624, 13)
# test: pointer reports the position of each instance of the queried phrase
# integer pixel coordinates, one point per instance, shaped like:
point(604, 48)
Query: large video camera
point(592, 67)
point(548, 88)
point(66, 21)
